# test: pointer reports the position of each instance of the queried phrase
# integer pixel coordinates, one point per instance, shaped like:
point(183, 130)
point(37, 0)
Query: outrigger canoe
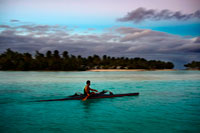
point(95, 96)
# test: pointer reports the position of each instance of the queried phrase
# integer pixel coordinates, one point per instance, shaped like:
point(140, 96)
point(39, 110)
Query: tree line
point(193, 65)
point(12, 60)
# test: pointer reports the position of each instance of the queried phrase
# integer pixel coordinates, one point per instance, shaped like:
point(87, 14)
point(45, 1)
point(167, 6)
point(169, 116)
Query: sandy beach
point(119, 70)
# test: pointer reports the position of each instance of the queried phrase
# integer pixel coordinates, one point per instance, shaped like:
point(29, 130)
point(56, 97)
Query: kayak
point(94, 96)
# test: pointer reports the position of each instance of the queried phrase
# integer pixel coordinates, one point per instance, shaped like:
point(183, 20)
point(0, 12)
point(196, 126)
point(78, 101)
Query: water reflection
point(87, 105)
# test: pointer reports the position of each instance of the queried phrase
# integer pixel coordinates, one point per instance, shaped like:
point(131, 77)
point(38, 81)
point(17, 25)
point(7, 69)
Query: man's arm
point(93, 90)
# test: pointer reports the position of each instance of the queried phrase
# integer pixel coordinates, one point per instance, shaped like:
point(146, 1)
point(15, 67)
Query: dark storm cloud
point(141, 14)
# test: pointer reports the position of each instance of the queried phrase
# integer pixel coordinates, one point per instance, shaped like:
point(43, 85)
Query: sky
point(156, 29)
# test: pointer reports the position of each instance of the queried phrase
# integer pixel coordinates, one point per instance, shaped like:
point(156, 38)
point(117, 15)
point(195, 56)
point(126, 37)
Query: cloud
point(142, 14)
point(197, 40)
point(14, 20)
point(91, 29)
point(116, 41)
point(137, 35)
point(127, 30)
point(4, 26)
point(145, 41)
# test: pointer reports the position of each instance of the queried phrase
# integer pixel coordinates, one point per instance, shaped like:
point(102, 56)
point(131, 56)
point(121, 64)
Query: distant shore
point(102, 70)
point(119, 70)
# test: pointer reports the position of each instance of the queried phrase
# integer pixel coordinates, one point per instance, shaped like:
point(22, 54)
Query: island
point(54, 61)
point(194, 65)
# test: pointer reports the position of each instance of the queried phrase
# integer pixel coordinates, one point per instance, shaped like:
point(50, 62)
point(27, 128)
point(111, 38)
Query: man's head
point(88, 82)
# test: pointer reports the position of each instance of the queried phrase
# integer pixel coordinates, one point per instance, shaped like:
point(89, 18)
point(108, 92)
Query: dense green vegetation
point(193, 65)
point(12, 60)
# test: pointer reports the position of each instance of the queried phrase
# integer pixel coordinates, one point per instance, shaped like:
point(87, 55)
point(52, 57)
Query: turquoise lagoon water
point(169, 101)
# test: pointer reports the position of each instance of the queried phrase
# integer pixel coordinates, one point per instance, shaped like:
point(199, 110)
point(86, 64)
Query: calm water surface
point(169, 101)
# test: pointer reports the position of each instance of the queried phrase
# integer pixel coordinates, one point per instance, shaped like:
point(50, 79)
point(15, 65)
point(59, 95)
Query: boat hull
point(96, 96)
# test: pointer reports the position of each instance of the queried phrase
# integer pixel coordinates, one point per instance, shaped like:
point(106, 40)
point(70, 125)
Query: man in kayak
point(87, 90)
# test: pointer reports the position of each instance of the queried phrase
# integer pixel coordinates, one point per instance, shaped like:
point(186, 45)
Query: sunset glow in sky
point(155, 29)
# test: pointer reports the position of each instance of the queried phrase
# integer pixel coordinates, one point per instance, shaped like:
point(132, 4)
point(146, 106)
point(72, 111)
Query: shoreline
point(126, 70)
point(103, 70)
